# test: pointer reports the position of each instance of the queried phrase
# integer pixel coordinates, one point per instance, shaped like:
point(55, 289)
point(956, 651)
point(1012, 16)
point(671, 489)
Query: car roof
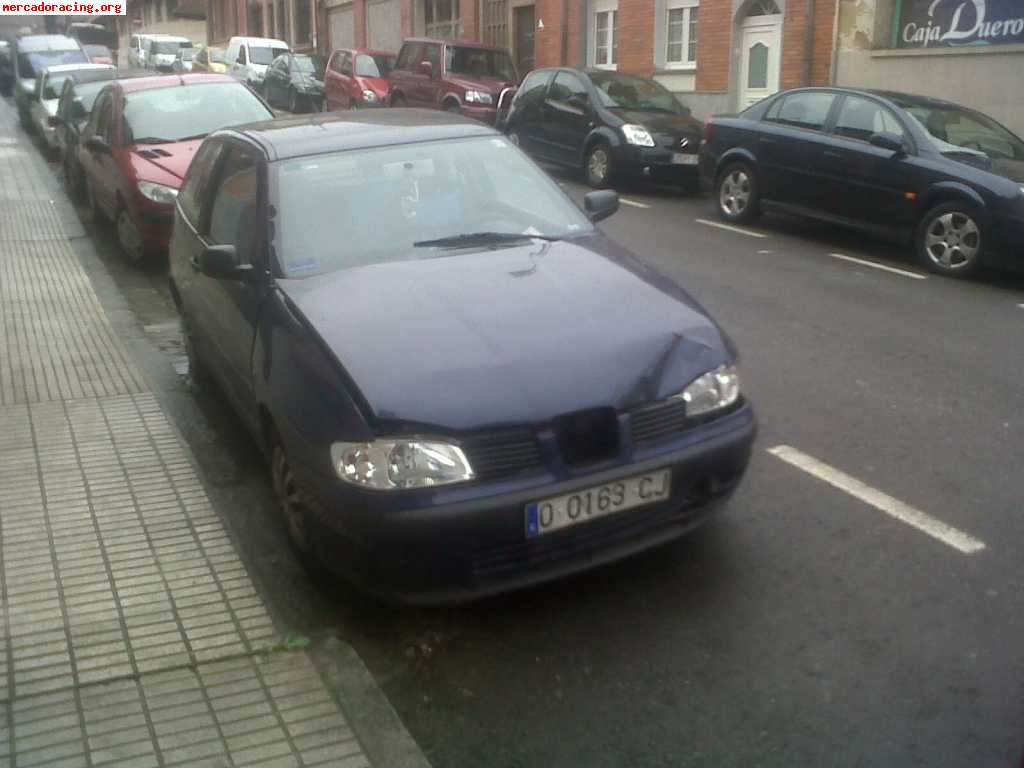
point(153, 82)
point(459, 43)
point(272, 40)
point(33, 43)
point(336, 132)
point(170, 39)
point(61, 68)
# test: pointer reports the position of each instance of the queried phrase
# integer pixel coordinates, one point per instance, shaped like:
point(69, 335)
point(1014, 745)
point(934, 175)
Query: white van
point(163, 50)
point(138, 48)
point(248, 57)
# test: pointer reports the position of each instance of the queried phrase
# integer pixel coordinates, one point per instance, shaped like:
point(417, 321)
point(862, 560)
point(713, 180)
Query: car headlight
point(369, 95)
point(386, 465)
point(479, 97)
point(158, 193)
point(712, 391)
point(637, 134)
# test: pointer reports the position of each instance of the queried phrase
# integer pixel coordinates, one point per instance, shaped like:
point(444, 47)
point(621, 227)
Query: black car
point(73, 110)
point(295, 81)
point(946, 178)
point(608, 124)
point(400, 306)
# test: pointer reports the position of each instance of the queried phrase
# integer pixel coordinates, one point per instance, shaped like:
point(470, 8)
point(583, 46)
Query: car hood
point(511, 336)
point(378, 85)
point(662, 122)
point(155, 162)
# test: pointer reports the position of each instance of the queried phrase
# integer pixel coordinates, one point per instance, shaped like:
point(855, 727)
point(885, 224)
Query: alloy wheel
point(290, 498)
point(597, 166)
point(128, 236)
point(734, 193)
point(952, 240)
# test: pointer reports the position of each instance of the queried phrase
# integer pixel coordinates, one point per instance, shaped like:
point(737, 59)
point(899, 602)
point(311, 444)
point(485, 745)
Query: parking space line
point(634, 203)
point(883, 267)
point(730, 227)
point(895, 508)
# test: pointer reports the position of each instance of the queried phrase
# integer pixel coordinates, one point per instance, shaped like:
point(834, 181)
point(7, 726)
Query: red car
point(467, 78)
point(139, 142)
point(357, 77)
point(99, 54)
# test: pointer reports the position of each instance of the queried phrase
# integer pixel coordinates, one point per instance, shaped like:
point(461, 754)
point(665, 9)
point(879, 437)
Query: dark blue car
point(461, 385)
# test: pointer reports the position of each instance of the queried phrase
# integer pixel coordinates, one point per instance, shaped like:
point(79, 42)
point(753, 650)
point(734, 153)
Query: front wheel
point(293, 101)
point(950, 240)
point(128, 236)
point(296, 506)
point(398, 101)
point(737, 193)
point(598, 165)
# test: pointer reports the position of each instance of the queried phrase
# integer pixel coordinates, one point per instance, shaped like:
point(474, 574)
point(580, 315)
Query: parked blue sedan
point(461, 384)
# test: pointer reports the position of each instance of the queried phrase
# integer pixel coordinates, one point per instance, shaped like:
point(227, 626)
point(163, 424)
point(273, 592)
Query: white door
point(761, 39)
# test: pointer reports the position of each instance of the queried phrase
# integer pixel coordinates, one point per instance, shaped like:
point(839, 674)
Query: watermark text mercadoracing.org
point(38, 8)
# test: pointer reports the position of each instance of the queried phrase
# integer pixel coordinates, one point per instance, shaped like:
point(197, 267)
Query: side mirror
point(601, 204)
point(221, 263)
point(425, 68)
point(98, 145)
point(890, 141)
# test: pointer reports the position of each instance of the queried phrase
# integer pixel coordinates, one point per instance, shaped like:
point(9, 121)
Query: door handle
point(194, 263)
point(831, 155)
point(763, 140)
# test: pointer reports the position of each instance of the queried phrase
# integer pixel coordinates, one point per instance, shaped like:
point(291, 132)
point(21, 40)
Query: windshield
point(264, 54)
point(952, 127)
point(54, 85)
point(480, 62)
point(167, 47)
point(189, 111)
point(308, 64)
point(387, 199)
point(376, 65)
point(32, 63)
point(97, 50)
point(627, 92)
point(216, 55)
point(86, 94)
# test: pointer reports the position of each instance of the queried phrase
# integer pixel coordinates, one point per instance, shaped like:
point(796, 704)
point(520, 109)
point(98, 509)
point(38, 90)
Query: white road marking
point(730, 227)
point(895, 508)
point(883, 267)
point(634, 203)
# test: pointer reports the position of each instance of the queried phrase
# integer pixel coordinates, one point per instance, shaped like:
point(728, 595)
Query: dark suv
point(467, 78)
point(947, 178)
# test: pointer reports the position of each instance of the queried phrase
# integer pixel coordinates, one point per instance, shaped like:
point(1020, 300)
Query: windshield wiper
point(152, 140)
point(193, 138)
point(480, 238)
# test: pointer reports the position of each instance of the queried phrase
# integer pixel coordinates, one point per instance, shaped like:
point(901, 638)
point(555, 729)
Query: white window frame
point(596, 8)
point(683, 64)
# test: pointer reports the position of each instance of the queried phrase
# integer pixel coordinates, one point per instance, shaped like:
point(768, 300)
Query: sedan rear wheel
point(737, 193)
point(950, 240)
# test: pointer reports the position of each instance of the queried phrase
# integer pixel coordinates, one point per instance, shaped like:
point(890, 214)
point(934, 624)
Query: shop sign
point(944, 23)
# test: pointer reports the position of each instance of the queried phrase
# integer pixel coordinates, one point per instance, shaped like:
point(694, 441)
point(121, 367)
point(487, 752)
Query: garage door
point(342, 27)
point(384, 25)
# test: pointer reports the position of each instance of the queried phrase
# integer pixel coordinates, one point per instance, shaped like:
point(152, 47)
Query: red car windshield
point(374, 66)
point(184, 112)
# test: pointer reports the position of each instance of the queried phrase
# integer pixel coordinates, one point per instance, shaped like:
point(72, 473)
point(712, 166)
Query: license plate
point(678, 158)
point(549, 515)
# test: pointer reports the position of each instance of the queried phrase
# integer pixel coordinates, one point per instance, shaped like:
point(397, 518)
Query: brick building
point(719, 55)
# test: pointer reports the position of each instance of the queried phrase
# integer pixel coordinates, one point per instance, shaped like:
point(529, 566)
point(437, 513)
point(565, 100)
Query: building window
point(442, 18)
point(303, 23)
point(681, 37)
point(495, 23)
point(605, 50)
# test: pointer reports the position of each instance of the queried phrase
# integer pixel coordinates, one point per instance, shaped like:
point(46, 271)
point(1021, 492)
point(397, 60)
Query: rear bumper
point(467, 549)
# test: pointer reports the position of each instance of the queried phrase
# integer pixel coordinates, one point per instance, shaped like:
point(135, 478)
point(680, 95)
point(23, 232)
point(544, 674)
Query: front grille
point(657, 422)
point(503, 454)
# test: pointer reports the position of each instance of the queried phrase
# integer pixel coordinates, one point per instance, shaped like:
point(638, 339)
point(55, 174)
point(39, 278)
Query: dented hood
point(510, 336)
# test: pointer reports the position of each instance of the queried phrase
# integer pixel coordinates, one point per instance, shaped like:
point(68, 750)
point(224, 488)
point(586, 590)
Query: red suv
point(139, 141)
point(468, 78)
point(357, 78)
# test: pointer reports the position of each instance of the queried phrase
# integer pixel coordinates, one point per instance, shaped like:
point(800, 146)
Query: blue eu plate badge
point(532, 520)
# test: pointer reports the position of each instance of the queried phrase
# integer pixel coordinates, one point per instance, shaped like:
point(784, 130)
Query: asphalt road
point(859, 604)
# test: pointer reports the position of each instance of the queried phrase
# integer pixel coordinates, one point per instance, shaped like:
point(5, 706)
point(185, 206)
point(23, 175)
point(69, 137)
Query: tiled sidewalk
point(132, 632)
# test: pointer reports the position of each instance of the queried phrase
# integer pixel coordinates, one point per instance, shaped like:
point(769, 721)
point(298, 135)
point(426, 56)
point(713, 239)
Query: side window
point(860, 117)
point(409, 56)
point(101, 102)
point(197, 181)
point(567, 87)
point(234, 208)
point(104, 112)
point(346, 63)
point(534, 87)
point(808, 109)
point(241, 55)
point(432, 53)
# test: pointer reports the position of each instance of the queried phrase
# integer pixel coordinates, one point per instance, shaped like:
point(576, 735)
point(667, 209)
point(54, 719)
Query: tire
point(453, 108)
point(597, 165)
point(128, 236)
point(25, 121)
point(513, 136)
point(199, 378)
point(96, 214)
point(293, 101)
point(72, 180)
point(736, 193)
point(950, 239)
point(296, 507)
point(398, 101)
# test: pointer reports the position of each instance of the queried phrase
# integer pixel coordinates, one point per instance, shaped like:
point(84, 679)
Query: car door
point(226, 311)
point(240, 64)
point(565, 118)
point(346, 85)
point(429, 86)
point(37, 110)
point(860, 181)
point(526, 121)
point(333, 82)
point(792, 137)
point(403, 76)
point(100, 166)
point(272, 88)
